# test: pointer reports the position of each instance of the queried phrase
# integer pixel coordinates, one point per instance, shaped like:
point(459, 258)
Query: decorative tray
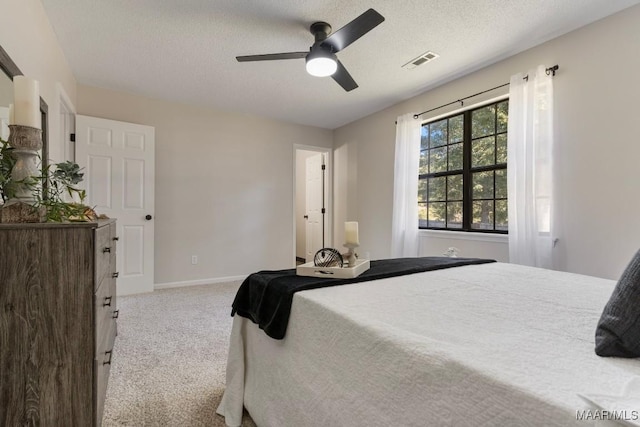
point(309, 269)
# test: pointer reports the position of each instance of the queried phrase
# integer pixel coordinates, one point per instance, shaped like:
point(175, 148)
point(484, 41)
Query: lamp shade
point(321, 63)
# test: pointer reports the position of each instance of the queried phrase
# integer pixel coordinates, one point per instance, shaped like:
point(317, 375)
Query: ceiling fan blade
point(272, 56)
point(343, 78)
point(353, 30)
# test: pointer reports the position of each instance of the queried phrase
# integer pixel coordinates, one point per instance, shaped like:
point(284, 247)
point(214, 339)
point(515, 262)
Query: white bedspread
point(482, 345)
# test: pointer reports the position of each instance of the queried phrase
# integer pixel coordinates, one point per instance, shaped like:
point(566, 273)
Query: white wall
point(436, 243)
point(224, 184)
point(596, 92)
point(27, 36)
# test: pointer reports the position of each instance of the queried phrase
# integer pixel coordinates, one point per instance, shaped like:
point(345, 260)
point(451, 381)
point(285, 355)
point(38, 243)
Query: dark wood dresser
point(57, 322)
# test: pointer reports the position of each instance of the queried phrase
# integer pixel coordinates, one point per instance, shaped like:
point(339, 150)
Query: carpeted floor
point(169, 358)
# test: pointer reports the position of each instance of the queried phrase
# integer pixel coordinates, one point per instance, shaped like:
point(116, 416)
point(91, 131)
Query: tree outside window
point(463, 171)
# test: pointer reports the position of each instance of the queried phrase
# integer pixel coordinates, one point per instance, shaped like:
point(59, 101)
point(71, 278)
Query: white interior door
point(118, 162)
point(65, 127)
point(315, 226)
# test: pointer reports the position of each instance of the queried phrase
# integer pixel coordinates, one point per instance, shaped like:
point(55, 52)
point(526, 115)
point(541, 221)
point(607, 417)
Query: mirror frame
point(11, 70)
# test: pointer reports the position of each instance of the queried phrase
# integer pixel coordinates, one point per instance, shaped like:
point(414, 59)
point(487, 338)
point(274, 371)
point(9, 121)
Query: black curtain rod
point(550, 70)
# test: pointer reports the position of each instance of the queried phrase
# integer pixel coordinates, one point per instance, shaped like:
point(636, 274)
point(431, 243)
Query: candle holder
point(350, 256)
point(26, 141)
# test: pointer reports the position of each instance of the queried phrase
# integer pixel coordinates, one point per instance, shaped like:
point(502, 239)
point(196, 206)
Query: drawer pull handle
point(107, 353)
point(107, 302)
point(116, 313)
point(115, 275)
point(105, 250)
point(116, 238)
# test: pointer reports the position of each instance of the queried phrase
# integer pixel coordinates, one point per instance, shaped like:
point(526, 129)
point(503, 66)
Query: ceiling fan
point(321, 60)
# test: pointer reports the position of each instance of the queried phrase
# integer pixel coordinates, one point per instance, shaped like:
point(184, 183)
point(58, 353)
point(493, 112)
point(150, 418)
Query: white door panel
point(99, 182)
point(118, 159)
point(314, 205)
point(133, 256)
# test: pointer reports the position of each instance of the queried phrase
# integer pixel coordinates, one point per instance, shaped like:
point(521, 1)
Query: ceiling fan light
point(321, 66)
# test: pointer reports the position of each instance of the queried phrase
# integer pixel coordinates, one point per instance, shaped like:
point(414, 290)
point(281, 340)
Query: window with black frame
point(463, 171)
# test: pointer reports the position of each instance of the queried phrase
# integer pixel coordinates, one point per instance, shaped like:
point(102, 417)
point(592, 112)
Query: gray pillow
point(618, 331)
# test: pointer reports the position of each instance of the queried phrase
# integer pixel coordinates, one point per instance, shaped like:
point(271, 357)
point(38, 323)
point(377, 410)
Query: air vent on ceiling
point(425, 57)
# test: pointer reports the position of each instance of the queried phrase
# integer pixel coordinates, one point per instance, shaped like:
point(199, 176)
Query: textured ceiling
point(184, 50)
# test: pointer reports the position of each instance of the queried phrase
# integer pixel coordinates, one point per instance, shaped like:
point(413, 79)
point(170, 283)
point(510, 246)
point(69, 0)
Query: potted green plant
point(50, 190)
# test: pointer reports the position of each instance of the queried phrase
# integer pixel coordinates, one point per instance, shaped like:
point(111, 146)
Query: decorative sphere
point(328, 257)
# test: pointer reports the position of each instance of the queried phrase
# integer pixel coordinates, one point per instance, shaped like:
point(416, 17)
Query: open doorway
point(312, 201)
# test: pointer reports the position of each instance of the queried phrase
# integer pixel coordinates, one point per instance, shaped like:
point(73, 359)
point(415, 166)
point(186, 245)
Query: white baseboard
point(169, 285)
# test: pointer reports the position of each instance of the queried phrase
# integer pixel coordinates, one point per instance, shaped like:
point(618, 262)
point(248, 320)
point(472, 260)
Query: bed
point(477, 345)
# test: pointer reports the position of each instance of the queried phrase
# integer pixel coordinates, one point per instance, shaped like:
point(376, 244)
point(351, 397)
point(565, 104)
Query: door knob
point(148, 217)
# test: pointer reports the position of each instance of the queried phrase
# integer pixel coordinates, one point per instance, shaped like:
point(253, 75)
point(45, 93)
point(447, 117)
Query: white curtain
point(404, 228)
point(530, 169)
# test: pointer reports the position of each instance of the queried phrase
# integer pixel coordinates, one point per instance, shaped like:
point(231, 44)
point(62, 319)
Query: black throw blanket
point(265, 297)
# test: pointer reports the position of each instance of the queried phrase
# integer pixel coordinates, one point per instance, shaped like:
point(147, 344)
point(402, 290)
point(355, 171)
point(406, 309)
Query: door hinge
point(72, 137)
point(324, 167)
point(323, 211)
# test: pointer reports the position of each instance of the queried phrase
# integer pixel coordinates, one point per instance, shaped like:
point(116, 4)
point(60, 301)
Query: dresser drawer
point(105, 311)
point(105, 254)
point(102, 367)
point(114, 246)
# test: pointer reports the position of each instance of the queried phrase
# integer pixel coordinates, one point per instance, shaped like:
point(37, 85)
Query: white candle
point(351, 233)
point(11, 119)
point(26, 98)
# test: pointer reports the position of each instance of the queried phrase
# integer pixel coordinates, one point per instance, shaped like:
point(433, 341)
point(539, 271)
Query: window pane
point(455, 129)
point(454, 187)
point(455, 157)
point(424, 137)
point(454, 215)
point(422, 215)
point(437, 189)
point(470, 149)
point(424, 162)
point(501, 148)
point(438, 160)
point(502, 218)
point(482, 215)
point(422, 190)
point(438, 133)
point(502, 113)
point(482, 152)
point(501, 184)
point(483, 121)
point(482, 184)
point(436, 215)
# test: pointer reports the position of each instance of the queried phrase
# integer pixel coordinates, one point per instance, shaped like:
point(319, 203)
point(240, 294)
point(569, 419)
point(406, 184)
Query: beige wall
point(27, 36)
point(224, 184)
point(596, 92)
